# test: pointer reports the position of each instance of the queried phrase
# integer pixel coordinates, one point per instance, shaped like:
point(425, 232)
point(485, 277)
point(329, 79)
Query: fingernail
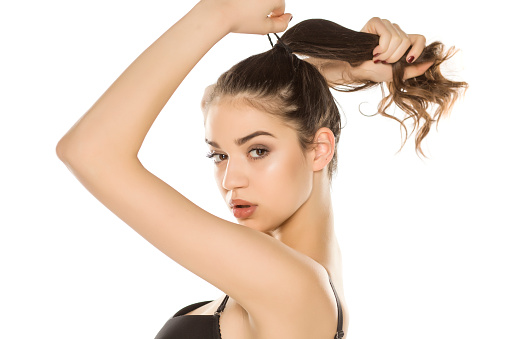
point(377, 54)
point(376, 61)
point(410, 59)
point(291, 18)
point(384, 62)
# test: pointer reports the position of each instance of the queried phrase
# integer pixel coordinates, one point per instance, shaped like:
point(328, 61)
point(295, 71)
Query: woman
point(273, 164)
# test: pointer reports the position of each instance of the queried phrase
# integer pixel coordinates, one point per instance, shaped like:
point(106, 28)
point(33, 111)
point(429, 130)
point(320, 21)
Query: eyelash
point(264, 150)
point(212, 154)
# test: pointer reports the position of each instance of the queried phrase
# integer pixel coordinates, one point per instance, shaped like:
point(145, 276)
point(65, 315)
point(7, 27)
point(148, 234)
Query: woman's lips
point(242, 209)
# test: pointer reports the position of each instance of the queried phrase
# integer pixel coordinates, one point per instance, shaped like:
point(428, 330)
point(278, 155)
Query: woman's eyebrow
point(242, 140)
point(245, 139)
point(212, 143)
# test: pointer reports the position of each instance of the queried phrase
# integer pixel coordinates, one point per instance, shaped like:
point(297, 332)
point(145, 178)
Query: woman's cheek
point(288, 182)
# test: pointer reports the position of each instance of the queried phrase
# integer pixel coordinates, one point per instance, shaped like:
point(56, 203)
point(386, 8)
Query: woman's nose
point(234, 176)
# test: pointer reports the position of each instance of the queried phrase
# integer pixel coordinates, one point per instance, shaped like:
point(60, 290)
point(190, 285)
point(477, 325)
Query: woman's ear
point(324, 143)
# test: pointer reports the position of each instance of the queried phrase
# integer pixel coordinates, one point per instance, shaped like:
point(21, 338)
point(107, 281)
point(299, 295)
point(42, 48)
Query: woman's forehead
point(234, 119)
point(232, 111)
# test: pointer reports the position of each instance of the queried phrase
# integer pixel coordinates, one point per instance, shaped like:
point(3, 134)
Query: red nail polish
point(377, 54)
point(410, 59)
point(376, 61)
point(384, 62)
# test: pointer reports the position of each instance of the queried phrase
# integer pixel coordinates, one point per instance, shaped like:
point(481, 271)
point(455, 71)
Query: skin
point(269, 171)
point(276, 269)
point(289, 185)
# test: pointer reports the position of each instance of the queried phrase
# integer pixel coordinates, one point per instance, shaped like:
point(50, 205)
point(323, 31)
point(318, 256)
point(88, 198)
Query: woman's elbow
point(62, 149)
point(68, 150)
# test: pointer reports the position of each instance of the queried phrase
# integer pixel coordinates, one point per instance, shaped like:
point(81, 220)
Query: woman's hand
point(253, 16)
point(393, 41)
point(392, 46)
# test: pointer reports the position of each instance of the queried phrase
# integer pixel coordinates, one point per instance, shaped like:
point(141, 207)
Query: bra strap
point(339, 333)
point(221, 307)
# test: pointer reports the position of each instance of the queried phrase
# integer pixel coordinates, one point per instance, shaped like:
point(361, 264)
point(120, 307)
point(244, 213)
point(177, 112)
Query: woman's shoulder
point(309, 311)
point(196, 308)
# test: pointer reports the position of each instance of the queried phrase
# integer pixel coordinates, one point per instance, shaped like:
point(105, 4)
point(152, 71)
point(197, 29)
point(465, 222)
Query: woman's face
point(260, 168)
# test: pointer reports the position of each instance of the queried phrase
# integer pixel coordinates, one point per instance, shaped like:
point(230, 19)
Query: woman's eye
point(258, 153)
point(217, 157)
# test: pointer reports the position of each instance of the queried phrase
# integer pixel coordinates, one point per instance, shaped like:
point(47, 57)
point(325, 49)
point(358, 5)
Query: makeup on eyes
point(255, 152)
point(217, 157)
point(258, 149)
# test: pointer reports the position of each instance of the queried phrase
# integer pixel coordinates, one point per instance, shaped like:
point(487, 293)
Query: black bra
point(194, 326)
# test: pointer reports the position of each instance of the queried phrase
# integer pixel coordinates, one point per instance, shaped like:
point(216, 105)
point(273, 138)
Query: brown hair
point(281, 83)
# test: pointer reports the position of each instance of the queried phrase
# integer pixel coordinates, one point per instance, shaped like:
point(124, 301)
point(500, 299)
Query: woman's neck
point(311, 229)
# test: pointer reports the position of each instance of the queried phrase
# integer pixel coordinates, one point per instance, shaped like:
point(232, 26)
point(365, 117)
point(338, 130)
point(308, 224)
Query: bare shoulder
point(310, 312)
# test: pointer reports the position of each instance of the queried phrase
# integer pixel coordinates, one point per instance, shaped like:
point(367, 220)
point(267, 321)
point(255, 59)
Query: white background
point(424, 241)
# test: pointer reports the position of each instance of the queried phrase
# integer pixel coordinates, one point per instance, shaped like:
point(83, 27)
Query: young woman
point(272, 126)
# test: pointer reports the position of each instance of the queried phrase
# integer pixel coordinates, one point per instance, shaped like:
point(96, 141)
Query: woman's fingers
point(391, 44)
point(378, 72)
point(418, 44)
point(394, 42)
point(278, 11)
point(254, 17)
point(377, 26)
point(416, 70)
point(398, 47)
point(398, 44)
point(391, 37)
point(276, 24)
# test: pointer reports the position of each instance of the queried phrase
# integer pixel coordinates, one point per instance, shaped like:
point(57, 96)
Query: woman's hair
point(281, 83)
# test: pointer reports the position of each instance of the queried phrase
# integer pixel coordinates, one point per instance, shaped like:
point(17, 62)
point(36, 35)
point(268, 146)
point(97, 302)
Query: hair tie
point(280, 43)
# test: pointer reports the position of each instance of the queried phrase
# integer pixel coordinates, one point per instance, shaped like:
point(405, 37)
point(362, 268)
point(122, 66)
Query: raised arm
point(101, 150)
point(120, 119)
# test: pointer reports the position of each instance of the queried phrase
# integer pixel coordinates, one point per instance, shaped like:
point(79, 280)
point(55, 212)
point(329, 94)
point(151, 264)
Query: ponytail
point(424, 99)
point(280, 83)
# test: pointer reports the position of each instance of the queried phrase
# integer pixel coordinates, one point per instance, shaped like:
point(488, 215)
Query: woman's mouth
point(242, 209)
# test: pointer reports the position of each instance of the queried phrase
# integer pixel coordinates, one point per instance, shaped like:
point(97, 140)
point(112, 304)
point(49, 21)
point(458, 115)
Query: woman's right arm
point(101, 150)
